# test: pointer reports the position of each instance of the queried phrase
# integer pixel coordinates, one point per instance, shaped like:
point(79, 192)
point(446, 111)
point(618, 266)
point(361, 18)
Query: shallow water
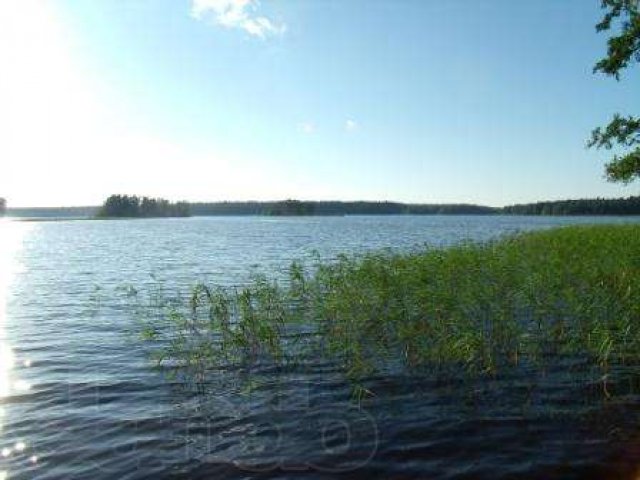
point(79, 398)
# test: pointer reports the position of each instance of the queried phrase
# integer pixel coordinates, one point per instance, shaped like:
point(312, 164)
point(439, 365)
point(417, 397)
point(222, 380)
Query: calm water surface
point(79, 399)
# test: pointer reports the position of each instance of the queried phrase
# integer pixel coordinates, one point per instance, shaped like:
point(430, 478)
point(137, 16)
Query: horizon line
point(20, 207)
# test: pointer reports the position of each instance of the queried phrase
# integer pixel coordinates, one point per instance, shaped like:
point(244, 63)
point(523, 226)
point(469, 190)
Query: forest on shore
point(128, 206)
point(587, 206)
point(298, 207)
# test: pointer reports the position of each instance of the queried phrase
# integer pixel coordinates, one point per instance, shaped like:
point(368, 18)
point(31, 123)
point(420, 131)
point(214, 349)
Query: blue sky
point(479, 101)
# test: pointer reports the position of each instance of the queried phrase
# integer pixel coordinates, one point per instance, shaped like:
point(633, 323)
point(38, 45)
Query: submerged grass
point(572, 292)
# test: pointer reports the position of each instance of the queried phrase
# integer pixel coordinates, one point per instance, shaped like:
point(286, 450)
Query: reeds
point(533, 297)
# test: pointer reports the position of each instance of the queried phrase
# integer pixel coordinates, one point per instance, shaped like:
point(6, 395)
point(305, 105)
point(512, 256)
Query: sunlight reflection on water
point(80, 399)
point(11, 238)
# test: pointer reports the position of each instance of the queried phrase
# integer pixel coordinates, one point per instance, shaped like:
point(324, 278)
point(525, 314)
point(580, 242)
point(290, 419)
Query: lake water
point(80, 399)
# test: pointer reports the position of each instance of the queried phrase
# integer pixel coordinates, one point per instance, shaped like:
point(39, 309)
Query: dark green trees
point(291, 208)
point(623, 49)
point(334, 207)
point(586, 206)
point(3, 206)
point(132, 206)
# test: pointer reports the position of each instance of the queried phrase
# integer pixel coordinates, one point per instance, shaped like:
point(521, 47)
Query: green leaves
point(624, 47)
point(625, 132)
point(625, 168)
point(622, 50)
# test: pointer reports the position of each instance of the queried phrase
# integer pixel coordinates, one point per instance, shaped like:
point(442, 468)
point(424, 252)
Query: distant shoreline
point(581, 207)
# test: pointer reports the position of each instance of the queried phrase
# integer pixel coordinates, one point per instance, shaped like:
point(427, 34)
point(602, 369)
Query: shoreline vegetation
point(125, 206)
point(563, 298)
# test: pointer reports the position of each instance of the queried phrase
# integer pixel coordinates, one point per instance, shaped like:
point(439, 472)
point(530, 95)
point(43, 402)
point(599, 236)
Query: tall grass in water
point(566, 293)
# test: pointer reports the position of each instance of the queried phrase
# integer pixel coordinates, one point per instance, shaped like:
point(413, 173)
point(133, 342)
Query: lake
point(80, 399)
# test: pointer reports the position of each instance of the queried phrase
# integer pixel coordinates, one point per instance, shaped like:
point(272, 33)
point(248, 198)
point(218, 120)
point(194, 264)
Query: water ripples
point(79, 398)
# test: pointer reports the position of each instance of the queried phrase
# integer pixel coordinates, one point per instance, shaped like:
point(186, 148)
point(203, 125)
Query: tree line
point(587, 206)
point(132, 206)
point(299, 207)
point(3, 206)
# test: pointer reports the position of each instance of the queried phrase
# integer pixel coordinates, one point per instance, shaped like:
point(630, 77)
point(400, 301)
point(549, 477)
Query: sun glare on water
point(11, 237)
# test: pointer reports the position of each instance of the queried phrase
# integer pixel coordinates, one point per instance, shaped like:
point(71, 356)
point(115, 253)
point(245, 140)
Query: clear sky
point(479, 101)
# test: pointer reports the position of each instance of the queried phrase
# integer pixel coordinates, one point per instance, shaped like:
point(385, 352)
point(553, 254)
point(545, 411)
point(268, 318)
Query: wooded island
point(132, 206)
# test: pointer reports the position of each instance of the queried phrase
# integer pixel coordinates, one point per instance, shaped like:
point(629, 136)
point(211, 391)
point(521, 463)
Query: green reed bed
point(572, 292)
